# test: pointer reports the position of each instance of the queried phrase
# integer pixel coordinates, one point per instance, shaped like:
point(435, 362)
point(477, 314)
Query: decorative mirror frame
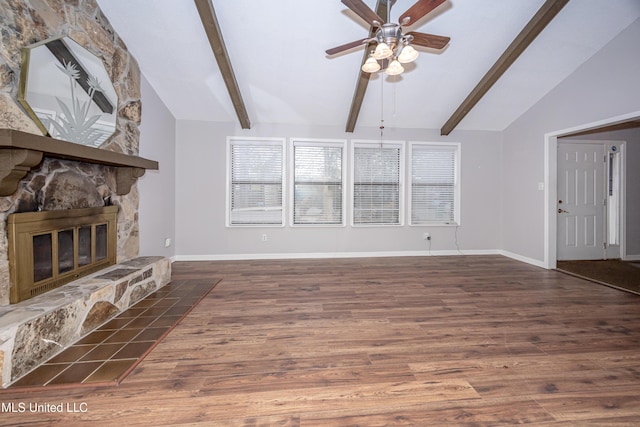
point(67, 92)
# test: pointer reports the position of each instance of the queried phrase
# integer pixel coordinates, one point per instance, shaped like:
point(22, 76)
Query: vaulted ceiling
point(276, 50)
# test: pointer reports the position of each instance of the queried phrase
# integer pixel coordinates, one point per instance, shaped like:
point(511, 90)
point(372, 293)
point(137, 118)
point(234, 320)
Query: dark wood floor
point(433, 341)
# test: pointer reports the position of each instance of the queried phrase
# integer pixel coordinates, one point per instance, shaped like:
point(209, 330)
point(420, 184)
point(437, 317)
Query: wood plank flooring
point(419, 341)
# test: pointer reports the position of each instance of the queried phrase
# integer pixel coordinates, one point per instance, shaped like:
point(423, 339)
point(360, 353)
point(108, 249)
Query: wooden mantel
point(22, 151)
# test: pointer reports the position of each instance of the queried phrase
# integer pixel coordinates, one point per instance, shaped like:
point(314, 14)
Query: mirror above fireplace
point(68, 92)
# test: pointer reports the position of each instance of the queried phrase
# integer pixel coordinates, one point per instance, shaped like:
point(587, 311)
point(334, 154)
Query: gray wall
point(157, 188)
point(200, 200)
point(605, 86)
point(633, 195)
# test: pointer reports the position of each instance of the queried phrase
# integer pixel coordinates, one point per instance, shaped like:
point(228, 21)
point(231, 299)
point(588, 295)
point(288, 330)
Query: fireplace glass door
point(84, 245)
point(65, 251)
point(42, 257)
point(78, 240)
point(101, 241)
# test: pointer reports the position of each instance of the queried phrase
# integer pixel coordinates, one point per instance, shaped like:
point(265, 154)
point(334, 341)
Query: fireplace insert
point(49, 249)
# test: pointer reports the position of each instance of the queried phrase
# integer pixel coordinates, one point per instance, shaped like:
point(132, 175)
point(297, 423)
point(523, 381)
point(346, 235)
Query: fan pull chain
point(395, 92)
point(381, 108)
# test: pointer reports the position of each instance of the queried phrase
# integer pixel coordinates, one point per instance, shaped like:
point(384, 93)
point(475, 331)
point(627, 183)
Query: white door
point(581, 201)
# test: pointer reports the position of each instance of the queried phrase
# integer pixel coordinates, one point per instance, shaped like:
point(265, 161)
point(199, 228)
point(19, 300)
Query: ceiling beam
point(363, 77)
point(545, 14)
point(211, 27)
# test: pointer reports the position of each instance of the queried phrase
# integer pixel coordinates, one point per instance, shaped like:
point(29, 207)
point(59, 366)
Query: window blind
point(256, 184)
point(376, 185)
point(317, 185)
point(433, 184)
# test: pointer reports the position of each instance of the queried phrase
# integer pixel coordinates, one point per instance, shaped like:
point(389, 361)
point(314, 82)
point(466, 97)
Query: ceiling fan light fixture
point(408, 54)
point(382, 51)
point(394, 68)
point(371, 65)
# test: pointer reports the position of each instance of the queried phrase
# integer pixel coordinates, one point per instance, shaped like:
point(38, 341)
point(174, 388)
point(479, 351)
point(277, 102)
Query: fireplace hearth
point(49, 249)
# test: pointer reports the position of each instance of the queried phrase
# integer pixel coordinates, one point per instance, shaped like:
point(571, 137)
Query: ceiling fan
point(393, 46)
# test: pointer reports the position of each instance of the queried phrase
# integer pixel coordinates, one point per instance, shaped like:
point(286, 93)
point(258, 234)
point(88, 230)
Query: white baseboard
point(322, 255)
point(528, 260)
point(631, 258)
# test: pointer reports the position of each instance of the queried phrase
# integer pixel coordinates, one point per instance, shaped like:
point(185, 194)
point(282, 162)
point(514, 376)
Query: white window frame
point(401, 197)
point(457, 183)
point(255, 141)
point(311, 142)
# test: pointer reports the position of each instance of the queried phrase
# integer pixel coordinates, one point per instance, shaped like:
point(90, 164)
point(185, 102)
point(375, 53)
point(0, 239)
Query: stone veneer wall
point(59, 184)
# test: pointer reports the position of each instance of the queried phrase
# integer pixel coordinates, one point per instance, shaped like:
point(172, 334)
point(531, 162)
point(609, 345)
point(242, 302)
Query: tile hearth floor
point(109, 353)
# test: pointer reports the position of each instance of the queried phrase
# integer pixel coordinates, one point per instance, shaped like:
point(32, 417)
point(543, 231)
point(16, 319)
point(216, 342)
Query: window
point(256, 175)
point(318, 182)
point(377, 186)
point(434, 183)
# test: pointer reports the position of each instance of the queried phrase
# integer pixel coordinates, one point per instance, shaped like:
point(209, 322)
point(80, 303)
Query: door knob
point(562, 211)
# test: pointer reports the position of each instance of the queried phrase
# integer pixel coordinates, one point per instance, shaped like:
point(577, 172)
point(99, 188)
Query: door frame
point(606, 145)
point(551, 184)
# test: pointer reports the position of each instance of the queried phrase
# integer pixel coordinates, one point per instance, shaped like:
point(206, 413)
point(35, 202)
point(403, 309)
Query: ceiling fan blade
point(364, 12)
point(428, 40)
point(418, 10)
point(346, 46)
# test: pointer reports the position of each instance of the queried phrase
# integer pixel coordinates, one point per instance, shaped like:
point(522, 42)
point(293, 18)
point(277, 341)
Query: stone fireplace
point(70, 185)
point(42, 176)
point(60, 181)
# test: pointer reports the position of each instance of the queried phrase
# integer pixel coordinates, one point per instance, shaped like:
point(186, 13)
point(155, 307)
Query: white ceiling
point(277, 53)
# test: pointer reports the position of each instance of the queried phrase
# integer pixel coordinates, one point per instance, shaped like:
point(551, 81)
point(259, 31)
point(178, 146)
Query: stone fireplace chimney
point(60, 176)
point(57, 183)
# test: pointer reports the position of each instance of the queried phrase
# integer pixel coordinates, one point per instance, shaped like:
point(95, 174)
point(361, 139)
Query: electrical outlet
point(426, 236)
point(167, 242)
point(265, 237)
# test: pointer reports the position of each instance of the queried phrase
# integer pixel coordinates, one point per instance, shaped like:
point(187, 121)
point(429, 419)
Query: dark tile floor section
point(108, 354)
